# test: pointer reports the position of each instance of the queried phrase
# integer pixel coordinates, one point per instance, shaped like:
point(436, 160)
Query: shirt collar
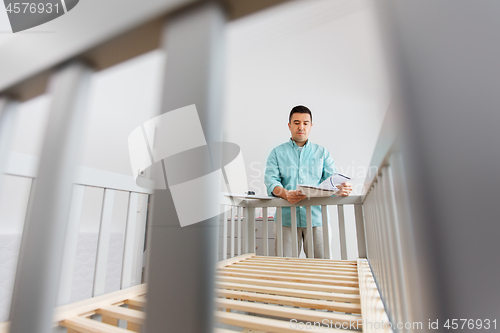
point(295, 145)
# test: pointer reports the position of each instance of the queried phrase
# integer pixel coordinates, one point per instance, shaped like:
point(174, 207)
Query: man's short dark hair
point(300, 109)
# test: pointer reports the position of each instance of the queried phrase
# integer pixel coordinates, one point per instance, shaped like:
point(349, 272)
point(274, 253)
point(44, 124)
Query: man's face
point(300, 126)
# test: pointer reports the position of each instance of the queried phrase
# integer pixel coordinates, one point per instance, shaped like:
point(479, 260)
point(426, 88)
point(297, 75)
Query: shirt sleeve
point(328, 166)
point(272, 177)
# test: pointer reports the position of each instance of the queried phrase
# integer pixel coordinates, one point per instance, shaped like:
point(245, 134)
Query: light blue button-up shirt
point(289, 166)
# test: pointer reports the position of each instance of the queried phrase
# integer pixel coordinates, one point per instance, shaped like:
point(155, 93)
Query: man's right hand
point(290, 196)
point(294, 196)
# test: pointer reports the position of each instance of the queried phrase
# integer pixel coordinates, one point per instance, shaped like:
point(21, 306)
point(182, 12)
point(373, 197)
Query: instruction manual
point(326, 188)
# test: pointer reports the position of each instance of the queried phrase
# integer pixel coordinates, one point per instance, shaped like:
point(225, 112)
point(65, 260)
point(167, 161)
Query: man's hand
point(290, 196)
point(345, 189)
point(294, 196)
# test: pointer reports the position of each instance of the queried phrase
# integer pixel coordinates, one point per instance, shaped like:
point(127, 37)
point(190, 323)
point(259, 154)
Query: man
point(300, 162)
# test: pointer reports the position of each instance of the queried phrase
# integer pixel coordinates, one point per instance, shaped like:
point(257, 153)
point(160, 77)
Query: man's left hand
point(345, 189)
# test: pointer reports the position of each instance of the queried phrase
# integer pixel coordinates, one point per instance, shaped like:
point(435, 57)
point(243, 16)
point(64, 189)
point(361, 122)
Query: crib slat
point(8, 115)
point(250, 229)
point(326, 232)
point(360, 230)
point(264, 324)
point(109, 320)
point(310, 245)
point(275, 277)
point(80, 324)
point(103, 242)
point(232, 212)
point(224, 233)
point(129, 315)
point(130, 234)
point(316, 295)
point(297, 269)
point(343, 245)
point(293, 265)
point(290, 301)
point(290, 285)
point(279, 232)
point(295, 245)
point(136, 301)
point(340, 276)
point(70, 246)
point(39, 261)
point(265, 233)
point(285, 312)
point(240, 221)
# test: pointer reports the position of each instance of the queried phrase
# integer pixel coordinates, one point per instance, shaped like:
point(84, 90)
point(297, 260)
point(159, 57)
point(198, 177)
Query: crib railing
point(131, 227)
point(239, 226)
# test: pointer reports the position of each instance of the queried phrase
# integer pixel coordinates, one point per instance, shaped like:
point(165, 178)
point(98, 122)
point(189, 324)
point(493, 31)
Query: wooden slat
point(292, 268)
point(231, 261)
point(325, 261)
point(290, 301)
point(291, 265)
point(109, 320)
point(289, 279)
point(313, 264)
point(327, 296)
point(372, 308)
point(265, 324)
point(129, 315)
point(136, 301)
point(4, 327)
point(290, 285)
point(89, 305)
point(223, 330)
point(291, 274)
point(133, 326)
point(80, 324)
point(287, 312)
point(318, 260)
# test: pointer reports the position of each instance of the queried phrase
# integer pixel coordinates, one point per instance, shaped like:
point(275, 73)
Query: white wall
point(325, 55)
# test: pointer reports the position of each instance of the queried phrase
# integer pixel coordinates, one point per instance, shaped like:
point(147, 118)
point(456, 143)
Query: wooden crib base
point(257, 294)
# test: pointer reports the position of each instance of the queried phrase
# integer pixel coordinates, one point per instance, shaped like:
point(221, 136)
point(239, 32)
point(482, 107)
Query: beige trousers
point(301, 238)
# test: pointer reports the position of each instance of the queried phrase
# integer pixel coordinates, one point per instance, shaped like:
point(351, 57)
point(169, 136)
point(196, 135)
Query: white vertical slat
point(7, 122)
point(140, 238)
point(343, 245)
point(326, 232)
point(360, 230)
point(310, 245)
point(295, 245)
point(265, 233)
point(232, 212)
point(240, 221)
point(128, 273)
point(279, 232)
point(70, 246)
point(224, 234)
point(103, 243)
point(40, 257)
point(250, 217)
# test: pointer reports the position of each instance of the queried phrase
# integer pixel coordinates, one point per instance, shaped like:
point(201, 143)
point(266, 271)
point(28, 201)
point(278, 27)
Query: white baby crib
point(404, 229)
